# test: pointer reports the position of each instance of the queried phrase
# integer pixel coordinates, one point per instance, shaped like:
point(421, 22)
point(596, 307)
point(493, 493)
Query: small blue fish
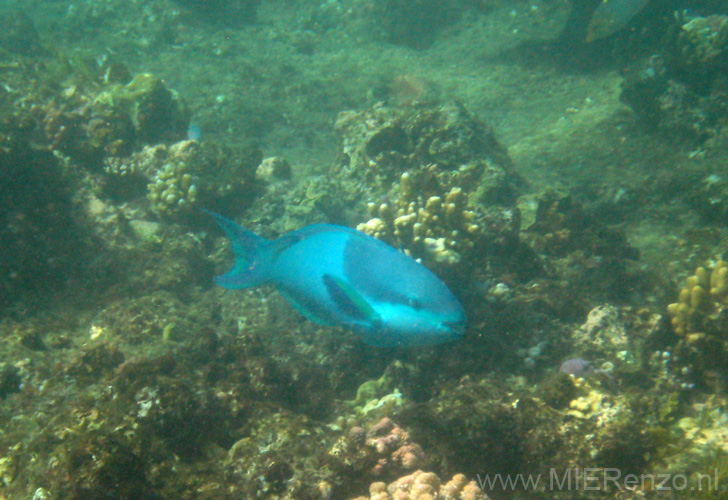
point(194, 132)
point(334, 275)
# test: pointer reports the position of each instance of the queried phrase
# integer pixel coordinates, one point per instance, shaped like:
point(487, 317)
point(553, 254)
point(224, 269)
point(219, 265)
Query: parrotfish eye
point(414, 304)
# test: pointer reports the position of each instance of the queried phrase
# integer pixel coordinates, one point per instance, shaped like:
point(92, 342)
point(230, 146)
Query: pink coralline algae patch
point(425, 486)
point(395, 446)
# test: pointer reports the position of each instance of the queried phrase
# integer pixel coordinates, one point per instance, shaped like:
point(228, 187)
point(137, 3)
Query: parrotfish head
point(411, 305)
point(416, 322)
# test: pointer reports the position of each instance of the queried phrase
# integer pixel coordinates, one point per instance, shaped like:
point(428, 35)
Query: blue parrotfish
point(334, 275)
point(611, 16)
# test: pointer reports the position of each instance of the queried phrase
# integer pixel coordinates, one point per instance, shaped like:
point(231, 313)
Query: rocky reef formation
point(90, 162)
point(678, 92)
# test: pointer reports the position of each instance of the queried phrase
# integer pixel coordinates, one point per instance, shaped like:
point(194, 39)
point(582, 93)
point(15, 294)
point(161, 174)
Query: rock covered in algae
point(41, 229)
point(148, 319)
point(703, 39)
point(89, 108)
point(616, 337)
point(109, 113)
point(185, 175)
point(280, 458)
point(156, 112)
point(664, 93)
point(9, 380)
point(381, 143)
point(430, 168)
point(582, 253)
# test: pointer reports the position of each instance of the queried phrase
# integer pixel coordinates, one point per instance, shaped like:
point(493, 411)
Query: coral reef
point(388, 438)
point(431, 167)
point(131, 376)
point(384, 450)
point(75, 185)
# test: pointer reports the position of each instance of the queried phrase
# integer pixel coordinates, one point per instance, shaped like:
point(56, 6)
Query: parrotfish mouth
point(453, 327)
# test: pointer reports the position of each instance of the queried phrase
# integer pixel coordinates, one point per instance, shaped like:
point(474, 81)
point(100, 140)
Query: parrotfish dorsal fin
point(348, 300)
point(288, 240)
point(250, 267)
point(611, 16)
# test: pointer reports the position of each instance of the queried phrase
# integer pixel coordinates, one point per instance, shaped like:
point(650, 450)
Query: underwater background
point(562, 165)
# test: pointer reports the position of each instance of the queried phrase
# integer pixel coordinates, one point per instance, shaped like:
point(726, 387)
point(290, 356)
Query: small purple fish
point(581, 368)
point(577, 367)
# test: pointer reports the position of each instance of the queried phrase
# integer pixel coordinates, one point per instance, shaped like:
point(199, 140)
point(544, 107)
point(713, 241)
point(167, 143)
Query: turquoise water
point(571, 195)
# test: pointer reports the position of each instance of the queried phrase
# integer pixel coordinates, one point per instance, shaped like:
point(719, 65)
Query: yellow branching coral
point(703, 297)
point(438, 229)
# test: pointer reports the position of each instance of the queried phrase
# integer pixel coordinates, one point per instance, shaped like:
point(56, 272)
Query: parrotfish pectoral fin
point(250, 267)
point(305, 308)
point(349, 301)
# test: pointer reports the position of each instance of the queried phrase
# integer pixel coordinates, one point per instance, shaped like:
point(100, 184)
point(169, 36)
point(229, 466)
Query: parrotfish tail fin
point(251, 263)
